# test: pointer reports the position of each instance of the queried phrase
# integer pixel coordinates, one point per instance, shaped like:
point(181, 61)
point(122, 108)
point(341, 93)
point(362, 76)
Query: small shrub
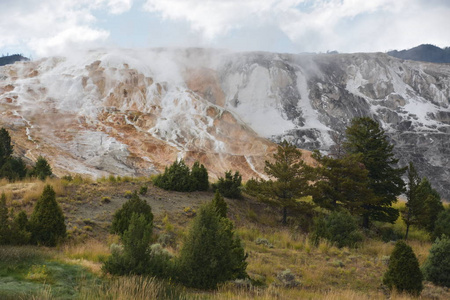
point(219, 204)
point(403, 271)
point(437, 266)
point(122, 217)
point(128, 194)
point(143, 190)
point(230, 186)
point(263, 241)
point(105, 200)
point(42, 169)
point(442, 225)
point(339, 228)
point(287, 279)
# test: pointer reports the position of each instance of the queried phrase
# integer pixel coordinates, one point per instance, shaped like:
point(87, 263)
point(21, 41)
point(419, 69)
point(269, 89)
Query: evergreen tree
point(6, 149)
point(365, 136)
point(230, 186)
point(341, 183)
point(219, 204)
point(47, 220)
point(291, 176)
point(135, 257)
point(432, 205)
point(211, 253)
point(20, 228)
point(42, 169)
point(13, 169)
point(176, 178)
point(199, 176)
point(122, 217)
point(339, 228)
point(442, 225)
point(415, 204)
point(403, 271)
point(5, 232)
point(437, 266)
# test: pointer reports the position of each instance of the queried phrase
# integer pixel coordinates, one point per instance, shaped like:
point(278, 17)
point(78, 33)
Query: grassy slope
point(323, 272)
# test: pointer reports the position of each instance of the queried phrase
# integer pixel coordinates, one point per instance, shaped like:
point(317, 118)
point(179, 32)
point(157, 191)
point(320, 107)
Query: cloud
point(54, 26)
point(319, 25)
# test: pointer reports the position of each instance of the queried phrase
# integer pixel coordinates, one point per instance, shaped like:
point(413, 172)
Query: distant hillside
point(429, 53)
point(10, 59)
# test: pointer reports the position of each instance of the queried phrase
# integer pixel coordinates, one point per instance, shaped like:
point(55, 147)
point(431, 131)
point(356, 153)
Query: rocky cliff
point(131, 112)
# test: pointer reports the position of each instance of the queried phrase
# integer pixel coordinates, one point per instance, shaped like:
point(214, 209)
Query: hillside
point(72, 271)
point(132, 112)
point(428, 53)
point(10, 59)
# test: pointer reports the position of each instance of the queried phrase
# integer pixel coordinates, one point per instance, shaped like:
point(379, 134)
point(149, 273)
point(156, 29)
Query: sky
point(40, 28)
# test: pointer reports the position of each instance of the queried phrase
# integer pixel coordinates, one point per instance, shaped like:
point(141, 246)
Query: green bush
point(442, 225)
point(199, 176)
point(175, 178)
point(339, 228)
point(230, 186)
point(13, 169)
point(122, 217)
point(437, 266)
point(143, 190)
point(178, 177)
point(403, 271)
point(42, 169)
point(5, 230)
point(220, 205)
point(211, 253)
point(134, 258)
point(47, 220)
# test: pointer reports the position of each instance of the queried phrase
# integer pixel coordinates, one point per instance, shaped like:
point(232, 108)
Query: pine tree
point(437, 266)
point(122, 217)
point(42, 169)
point(414, 205)
point(365, 136)
point(211, 253)
point(177, 177)
point(432, 205)
point(5, 231)
point(199, 176)
point(442, 225)
point(230, 185)
point(47, 220)
point(291, 176)
point(341, 183)
point(6, 149)
point(403, 271)
point(219, 204)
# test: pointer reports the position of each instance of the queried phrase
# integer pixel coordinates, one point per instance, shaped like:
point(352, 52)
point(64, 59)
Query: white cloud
point(318, 25)
point(54, 26)
point(119, 6)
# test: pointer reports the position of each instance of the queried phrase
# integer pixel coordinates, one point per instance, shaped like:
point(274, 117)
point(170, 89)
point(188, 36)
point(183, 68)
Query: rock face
point(131, 112)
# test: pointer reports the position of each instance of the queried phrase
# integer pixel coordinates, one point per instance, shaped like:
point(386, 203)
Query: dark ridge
point(428, 53)
point(10, 59)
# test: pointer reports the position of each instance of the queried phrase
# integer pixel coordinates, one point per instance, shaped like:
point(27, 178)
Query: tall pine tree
point(415, 204)
point(47, 220)
point(290, 174)
point(364, 136)
point(341, 183)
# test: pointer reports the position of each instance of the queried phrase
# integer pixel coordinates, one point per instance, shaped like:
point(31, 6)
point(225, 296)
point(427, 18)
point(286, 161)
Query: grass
point(73, 271)
point(32, 272)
